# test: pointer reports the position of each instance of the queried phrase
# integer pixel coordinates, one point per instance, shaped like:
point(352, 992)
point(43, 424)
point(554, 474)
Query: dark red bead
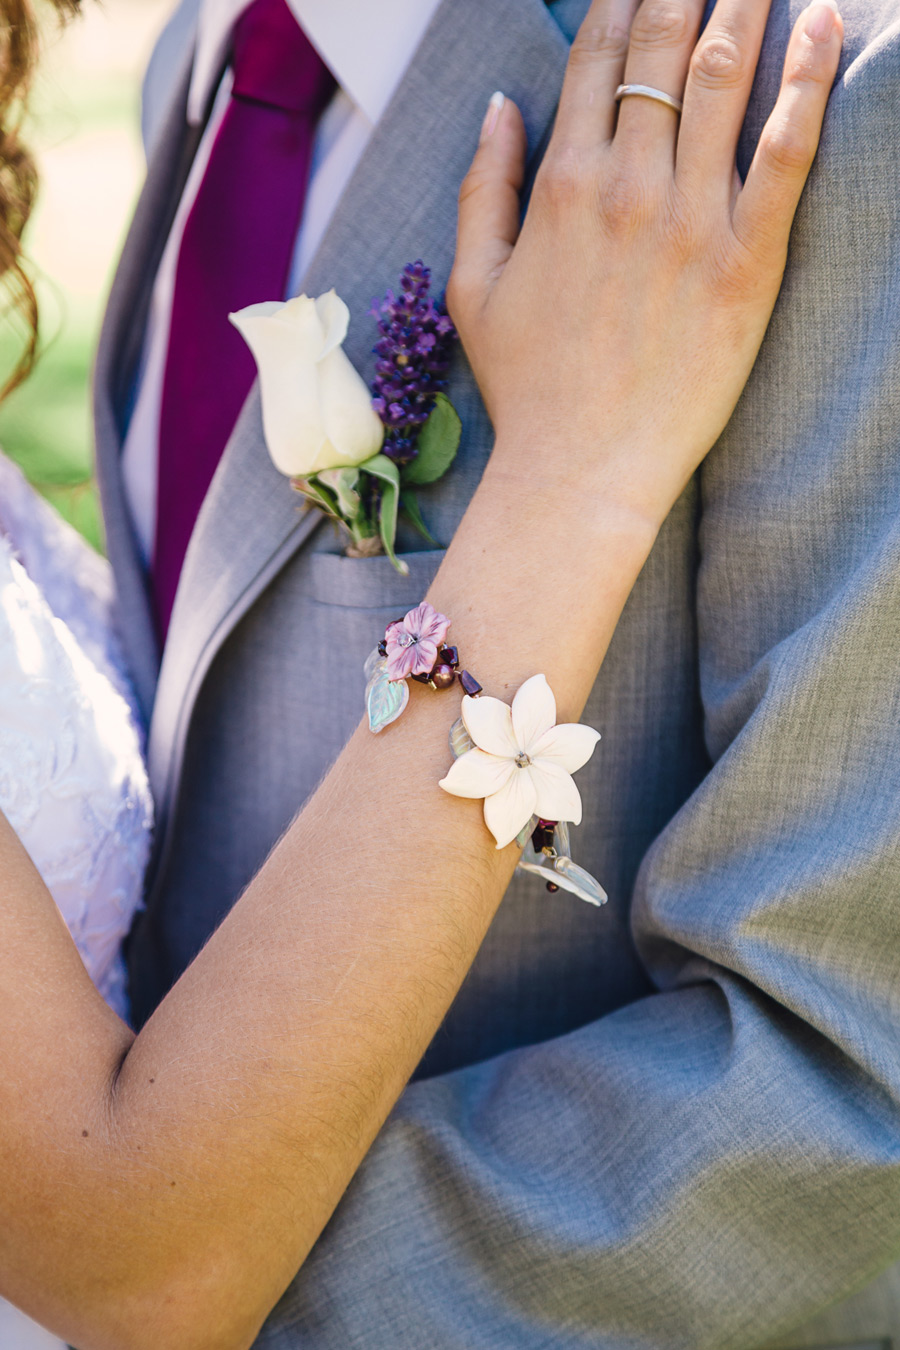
point(542, 837)
point(449, 656)
point(469, 684)
point(424, 678)
point(443, 676)
point(552, 887)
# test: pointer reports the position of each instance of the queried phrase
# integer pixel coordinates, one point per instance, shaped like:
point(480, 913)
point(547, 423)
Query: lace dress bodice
point(72, 779)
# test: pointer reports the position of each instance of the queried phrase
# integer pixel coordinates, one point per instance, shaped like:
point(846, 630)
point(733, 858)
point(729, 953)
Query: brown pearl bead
point(443, 676)
point(552, 887)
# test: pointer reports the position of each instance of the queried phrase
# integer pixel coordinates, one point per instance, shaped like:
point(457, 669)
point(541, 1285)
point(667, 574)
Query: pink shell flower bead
point(411, 644)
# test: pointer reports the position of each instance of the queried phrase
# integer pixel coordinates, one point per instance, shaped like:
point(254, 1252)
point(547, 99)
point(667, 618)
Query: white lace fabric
point(72, 778)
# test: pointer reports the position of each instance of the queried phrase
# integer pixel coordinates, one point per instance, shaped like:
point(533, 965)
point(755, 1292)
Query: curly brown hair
point(19, 48)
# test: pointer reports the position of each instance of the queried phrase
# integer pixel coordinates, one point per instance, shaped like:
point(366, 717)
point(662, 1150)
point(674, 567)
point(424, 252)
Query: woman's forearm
point(344, 954)
point(189, 1170)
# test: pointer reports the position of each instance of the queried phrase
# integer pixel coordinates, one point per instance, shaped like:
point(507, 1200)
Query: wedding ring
point(647, 91)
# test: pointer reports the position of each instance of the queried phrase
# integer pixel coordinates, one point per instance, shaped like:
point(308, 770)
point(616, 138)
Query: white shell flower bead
point(523, 762)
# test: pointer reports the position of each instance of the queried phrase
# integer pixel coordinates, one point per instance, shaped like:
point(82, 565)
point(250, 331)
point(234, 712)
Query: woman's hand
point(613, 334)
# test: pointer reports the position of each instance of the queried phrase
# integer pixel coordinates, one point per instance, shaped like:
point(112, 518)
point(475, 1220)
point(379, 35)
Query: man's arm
point(711, 1165)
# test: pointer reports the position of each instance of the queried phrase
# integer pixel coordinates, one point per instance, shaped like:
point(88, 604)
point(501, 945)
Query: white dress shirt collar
point(366, 45)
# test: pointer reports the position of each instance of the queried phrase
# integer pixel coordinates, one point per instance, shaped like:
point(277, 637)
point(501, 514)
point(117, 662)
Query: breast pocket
point(348, 603)
point(359, 584)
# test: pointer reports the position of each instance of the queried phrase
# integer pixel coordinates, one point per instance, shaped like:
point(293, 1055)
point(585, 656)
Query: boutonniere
point(358, 454)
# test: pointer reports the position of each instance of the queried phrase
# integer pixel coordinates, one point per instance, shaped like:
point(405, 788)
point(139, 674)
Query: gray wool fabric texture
point(673, 1122)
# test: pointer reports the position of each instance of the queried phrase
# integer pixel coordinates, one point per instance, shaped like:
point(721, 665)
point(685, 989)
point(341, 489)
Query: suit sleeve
point(712, 1164)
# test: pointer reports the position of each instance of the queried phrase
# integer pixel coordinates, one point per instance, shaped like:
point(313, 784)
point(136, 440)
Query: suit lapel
point(115, 372)
point(399, 205)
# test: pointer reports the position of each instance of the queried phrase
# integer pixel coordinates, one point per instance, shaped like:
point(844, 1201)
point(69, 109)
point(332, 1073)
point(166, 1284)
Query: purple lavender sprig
point(413, 352)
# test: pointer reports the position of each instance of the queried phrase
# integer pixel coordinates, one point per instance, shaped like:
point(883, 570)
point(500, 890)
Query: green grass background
point(83, 125)
point(45, 425)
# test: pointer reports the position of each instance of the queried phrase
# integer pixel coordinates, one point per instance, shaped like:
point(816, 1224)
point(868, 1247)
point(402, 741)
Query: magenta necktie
point(236, 250)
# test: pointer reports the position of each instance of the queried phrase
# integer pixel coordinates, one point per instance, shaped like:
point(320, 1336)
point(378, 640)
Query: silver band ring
point(647, 91)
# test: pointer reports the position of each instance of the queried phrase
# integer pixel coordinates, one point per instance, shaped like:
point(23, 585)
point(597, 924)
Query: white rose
point(317, 412)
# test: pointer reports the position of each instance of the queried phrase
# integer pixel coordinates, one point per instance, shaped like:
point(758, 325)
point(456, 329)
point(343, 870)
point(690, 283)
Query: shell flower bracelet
point(514, 757)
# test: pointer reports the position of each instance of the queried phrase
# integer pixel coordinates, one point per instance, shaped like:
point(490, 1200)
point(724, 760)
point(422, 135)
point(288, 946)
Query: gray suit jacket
point(674, 1121)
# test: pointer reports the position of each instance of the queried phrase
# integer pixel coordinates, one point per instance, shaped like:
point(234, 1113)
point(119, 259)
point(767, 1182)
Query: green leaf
point(342, 483)
point(437, 445)
point(379, 466)
point(387, 523)
point(409, 505)
point(386, 470)
point(317, 495)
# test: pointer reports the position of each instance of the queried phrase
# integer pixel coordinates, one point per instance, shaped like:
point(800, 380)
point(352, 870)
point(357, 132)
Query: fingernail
point(820, 20)
point(492, 116)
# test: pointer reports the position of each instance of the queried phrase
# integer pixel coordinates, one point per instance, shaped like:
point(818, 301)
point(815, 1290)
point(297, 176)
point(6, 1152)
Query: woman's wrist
point(610, 493)
point(535, 580)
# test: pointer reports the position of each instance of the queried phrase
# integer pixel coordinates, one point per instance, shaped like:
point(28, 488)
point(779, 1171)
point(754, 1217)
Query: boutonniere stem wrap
point(357, 455)
point(517, 759)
